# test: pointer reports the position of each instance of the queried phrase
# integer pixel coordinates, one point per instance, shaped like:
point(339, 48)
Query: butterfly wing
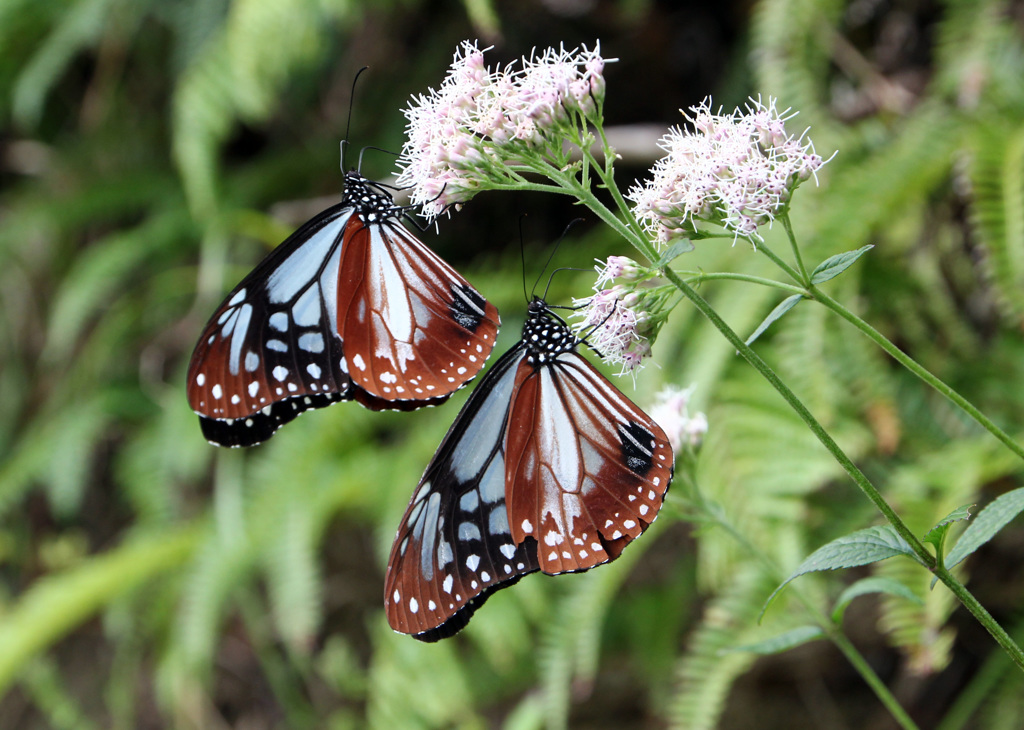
point(271, 351)
point(413, 328)
point(453, 547)
point(350, 306)
point(587, 469)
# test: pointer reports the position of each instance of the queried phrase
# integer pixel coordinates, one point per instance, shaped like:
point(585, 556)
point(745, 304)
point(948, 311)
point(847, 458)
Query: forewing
point(271, 350)
point(587, 469)
point(413, 328)
point(454, 546)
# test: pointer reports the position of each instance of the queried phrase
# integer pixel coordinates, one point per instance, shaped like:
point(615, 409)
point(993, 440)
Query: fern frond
point(160, 459)
point(919, 630)
point(79, 27)
point(568, 655)
point(706, 671)
point(997, 210)
point(873, 191)
point(789, 58)
point(60, 602)
point(979, 55)
point(760, 462)
point(79, 423)
point(293, 578)
point(233, 77)
point(415, 685)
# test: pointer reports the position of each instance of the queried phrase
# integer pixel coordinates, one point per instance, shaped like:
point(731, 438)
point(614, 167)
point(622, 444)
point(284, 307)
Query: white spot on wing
point(312, 342)
point(279, 321)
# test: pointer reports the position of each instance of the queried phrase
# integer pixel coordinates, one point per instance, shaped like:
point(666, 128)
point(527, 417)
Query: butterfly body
point(350, 306)
point(548, 467)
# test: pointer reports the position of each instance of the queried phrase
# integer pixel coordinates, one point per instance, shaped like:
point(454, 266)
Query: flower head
point(462, 135)
point(671, 412)
point(612, 323)
point(737, 170)
point(616, 267)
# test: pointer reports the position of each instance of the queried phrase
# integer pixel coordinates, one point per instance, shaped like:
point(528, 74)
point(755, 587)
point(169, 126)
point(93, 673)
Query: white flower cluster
point(611, 323)
point(615, 321)
point(671, 412)
point(459, 133)
point(736, 170)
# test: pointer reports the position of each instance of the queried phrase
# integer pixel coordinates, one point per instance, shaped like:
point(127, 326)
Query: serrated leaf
point(782, 642)
point(865, 586)
point(784, 306)
point(859, 548)
point(833, 266)
point(988, 522)
point(684, 245)
point(938, 531)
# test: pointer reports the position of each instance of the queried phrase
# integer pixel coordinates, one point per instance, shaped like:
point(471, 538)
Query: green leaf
point(988, 522)
point(782, 642)
point(859, 548)
point(865, 586)
point(784, 306)
point(683, 245)
point(936, 535)
point(833, 266)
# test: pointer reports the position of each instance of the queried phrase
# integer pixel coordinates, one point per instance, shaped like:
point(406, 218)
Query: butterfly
point(351, 306)
point(547, 467)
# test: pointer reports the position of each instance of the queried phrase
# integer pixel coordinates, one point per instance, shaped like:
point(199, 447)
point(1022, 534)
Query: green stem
point(926, 559)
point(982, 615)
point(700, 277)
point(762, 367)
point(567, 183)
point(832, 632)
point(793, 273)
point(796, 249)
point(912, 365)
point(874, 681)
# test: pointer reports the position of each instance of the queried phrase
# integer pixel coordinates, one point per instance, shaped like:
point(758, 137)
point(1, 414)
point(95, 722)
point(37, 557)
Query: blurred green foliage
point(150, 580)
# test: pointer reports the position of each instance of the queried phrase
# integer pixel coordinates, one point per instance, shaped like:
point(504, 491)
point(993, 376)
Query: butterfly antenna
point(348, 121)
point(553, 252)
point(522, 256)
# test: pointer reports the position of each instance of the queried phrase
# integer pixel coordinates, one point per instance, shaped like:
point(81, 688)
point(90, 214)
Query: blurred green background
point(151, 152)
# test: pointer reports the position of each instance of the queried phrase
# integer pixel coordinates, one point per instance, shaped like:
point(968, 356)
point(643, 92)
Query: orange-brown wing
point(413, 328)
point(586, 469)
